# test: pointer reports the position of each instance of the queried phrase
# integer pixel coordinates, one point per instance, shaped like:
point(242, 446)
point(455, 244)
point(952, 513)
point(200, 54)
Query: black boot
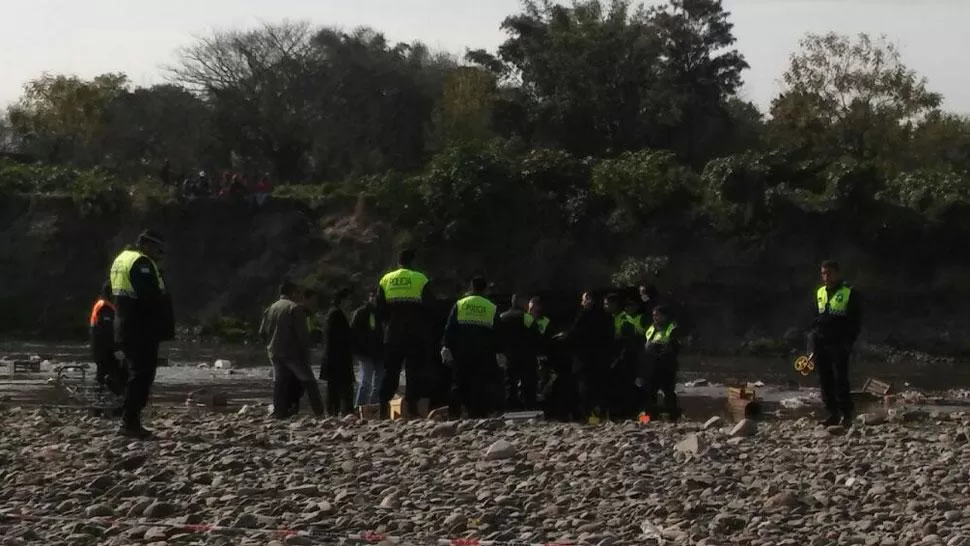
point(833, 419)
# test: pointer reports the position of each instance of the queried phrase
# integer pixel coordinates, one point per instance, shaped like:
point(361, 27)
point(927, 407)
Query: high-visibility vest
point(838, 305)
point(98, 305)
point(660, 336)
point(372, 320)
point(403, 285)
point(528, 320)
point(637, 322)
point(120, 274)
point(476, 310)
point(620, 320)
point(542, 323)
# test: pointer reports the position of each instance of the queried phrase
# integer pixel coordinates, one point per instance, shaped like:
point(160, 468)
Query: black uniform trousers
point(476, 385)
point(832, 365)
point(522, 378)
point(340, 394)
point(413, 355)
point(110, 373)
point(661, 377)
point(141, 360)
point(592, 382)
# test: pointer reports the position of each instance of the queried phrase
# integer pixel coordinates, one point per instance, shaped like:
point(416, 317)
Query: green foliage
point(227, 329)
point(928, 191)
point(633, 271)
point(647, 183)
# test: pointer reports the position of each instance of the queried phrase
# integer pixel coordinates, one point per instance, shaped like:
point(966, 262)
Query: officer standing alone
point(143, 320)
point(838, 319)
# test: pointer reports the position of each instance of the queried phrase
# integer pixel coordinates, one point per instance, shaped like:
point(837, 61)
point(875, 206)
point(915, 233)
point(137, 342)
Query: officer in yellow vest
point(471, 346)
point(838, 319)
point(404, 306)
point(659, 372)
point(143, 320)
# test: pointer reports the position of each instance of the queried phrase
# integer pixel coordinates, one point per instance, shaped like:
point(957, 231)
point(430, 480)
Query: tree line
point(596, 118)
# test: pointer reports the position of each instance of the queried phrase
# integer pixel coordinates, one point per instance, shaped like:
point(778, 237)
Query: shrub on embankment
point(738, 241)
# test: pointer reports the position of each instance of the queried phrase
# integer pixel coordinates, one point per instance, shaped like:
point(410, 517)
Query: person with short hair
point(284, 329)
point(838, 320)
point(143, 320)
point(338, 357)
point(368, 332)
point(659, 372)
point(110, 372)
point(517, 335)
point(404, 304)
point(471, 346)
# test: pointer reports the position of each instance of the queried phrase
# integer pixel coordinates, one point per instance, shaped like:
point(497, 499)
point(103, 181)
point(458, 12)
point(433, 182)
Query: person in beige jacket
point(284, 329)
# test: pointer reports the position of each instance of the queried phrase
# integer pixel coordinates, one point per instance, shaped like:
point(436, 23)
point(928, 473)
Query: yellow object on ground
point(804, 365)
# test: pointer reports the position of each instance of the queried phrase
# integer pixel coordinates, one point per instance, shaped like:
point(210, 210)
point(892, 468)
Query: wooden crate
point(398, 410)
point(874, 395)
point(742, 402)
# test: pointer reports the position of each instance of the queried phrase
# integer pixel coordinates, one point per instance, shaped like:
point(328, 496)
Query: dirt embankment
point(226, 259)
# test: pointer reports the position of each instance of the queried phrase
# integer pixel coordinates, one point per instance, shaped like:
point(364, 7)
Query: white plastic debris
point(223, 364)
point(793, 403)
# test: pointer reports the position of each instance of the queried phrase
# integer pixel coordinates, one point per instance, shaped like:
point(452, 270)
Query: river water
point(250, 380)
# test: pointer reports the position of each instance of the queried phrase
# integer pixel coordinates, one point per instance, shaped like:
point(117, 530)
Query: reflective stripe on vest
point(373, 321)
point(662, 336)
point(120, 274)
point(839, 304)
point(311, 323)
point(619, 320)
point(476, 310)
point(528, 320)
point(403, 285)
point(543, 324)
point(98, 305)
point(637, 322)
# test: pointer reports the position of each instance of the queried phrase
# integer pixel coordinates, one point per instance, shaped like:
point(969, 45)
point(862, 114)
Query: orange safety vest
point(97, 309)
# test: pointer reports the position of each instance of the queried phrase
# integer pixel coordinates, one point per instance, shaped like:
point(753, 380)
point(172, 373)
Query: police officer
point(471, 346)
point(622, 372)
point(519, 339)
point(659, 372)
point(110, 371)
point(838, 319)
point(404, 305)
point(590, 339)
point(143, 320)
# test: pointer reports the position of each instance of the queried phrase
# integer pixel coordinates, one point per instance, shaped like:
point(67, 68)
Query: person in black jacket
point(110, 372)
point(519, 339)
point(143, 320)
point(838, 320)
point(591, 341)
point(338, 359)
point(368, 332)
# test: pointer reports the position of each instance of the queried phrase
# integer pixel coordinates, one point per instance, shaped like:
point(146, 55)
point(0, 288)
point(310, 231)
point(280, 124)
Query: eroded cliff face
point(226, 259)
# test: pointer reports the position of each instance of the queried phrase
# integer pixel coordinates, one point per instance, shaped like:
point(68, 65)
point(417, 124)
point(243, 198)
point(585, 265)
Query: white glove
point(446, 356)
point(502, 360)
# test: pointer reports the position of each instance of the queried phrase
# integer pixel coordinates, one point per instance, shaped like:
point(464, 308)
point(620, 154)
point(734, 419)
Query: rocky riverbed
point(65, 480)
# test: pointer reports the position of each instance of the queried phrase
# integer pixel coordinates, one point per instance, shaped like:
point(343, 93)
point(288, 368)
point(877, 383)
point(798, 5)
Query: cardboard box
point(398, 410)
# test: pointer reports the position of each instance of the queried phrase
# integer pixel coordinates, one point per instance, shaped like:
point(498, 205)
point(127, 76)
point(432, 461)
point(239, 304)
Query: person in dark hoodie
point(143, 320)
point(591, 342)
point(518, 336)
point(338, 357)
point(368, 332)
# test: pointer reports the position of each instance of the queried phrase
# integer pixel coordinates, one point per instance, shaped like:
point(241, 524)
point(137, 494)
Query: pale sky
point(138, 37)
